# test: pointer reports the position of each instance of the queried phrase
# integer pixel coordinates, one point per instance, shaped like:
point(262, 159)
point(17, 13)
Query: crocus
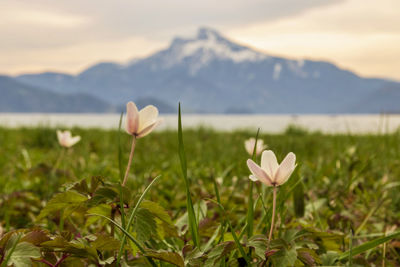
point(270, 172)
point(249, 146)
point(141, 123)
point(66, 140)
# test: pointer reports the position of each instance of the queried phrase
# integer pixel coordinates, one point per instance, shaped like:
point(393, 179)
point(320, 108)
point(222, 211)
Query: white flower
point(66, 140)
point(249, 146)
point(141, 123)
point(271, 173)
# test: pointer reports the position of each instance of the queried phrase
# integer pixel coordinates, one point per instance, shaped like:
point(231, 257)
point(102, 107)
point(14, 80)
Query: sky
point(71, 35)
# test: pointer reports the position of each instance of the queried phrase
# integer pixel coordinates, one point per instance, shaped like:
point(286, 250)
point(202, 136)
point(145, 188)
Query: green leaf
point(260, 245)
point(250, 206)
point(36, 237)
point(368, 245)
point(58, 242)
point(284, 257)
point(298, 200)
point(160, 222)
point(123, 230)
point(291, 235)
point(84, 187)
point(329, 241)
point(80, 247)
point(104, 195)
point(167, 256)
point(107, 262)
point(193, 257)
point(132, 216)
point(120, 168)
point(219, 252)
point(144, 225)
point(157, 211)
point(193, 225)
point(102, 209)
point(69, 201)
point(308, 256)
point(105, 243)
point(234, 236)
point(12, 242)
point(24, 251)
point(329, 258)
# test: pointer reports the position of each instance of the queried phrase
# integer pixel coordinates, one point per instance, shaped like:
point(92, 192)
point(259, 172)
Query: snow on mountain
point(277, 71)
point(210, 73)
point(207, 46)
point(212, 45)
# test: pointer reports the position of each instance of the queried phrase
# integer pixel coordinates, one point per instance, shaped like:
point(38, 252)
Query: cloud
point(37, 18)
point(155, 19)
point(45, 33)
point(362, 35)
point(68, 35)
point(75, 58)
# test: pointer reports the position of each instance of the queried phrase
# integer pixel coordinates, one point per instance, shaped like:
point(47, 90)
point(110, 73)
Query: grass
point(343, 184)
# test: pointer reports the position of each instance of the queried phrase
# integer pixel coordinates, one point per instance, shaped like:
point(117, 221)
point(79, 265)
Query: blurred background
point(312, 58)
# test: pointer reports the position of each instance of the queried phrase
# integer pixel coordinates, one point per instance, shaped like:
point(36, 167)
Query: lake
point(354, 124)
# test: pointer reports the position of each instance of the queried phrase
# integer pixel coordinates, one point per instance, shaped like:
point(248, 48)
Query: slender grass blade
point(194, 231)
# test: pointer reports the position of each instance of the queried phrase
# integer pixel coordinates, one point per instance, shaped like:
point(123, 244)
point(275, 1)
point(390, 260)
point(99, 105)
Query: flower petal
point(149, 128)
point(286, 168)
point(147, 116)
point(249, 145)
point(269, 163)
point(132, 118)
point(260, 146)
point(253, 178)
point(72, 141)
point(259, 173)
point(63, 137)
point(59, 136)
point(67, 134)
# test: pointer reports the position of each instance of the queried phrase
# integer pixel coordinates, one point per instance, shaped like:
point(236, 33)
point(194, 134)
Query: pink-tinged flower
point(141, 123)
point(249, 146)
point(271, 173)
point(66, 140)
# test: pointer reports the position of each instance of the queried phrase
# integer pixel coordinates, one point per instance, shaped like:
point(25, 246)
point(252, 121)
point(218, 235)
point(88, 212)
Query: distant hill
point(211, 74)
point(18, 97)
point(383, 100)
point(142, 102)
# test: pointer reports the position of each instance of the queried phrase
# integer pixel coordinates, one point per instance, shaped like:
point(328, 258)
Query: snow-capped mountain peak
point(207, 46)
point(208, 33)
point(210, 73)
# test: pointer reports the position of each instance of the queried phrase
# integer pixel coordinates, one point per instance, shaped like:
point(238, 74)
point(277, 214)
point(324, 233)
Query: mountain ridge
point(212, 74)
point(18, 97)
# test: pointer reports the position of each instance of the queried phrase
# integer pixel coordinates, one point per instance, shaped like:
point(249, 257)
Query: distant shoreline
point(276, 123)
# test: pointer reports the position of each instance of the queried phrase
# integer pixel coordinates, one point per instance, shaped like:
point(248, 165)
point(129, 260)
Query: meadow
point(67, 207)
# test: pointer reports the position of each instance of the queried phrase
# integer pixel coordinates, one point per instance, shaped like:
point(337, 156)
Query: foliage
point(341, 206)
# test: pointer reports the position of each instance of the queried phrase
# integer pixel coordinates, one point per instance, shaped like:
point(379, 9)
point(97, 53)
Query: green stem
point(130, 160)
point(273, 215)
point(132, 216)
point(61, 223)
point(60, 156)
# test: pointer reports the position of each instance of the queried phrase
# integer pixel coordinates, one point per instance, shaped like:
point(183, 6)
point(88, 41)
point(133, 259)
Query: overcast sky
point(70, 35)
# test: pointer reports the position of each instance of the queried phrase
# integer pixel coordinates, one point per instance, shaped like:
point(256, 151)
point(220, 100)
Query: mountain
point(209, 73)
point(142, 102)
point(18, 97)
point(384, 100)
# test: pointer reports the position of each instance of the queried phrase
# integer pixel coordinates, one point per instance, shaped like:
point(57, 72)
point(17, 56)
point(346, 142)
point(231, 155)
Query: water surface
point(268, 123)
